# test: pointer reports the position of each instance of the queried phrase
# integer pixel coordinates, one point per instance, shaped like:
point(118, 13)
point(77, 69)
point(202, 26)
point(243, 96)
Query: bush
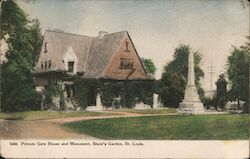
point(138, 91)
point(54, 89)
point(208, 102)
point(82, 88)
point(130, 92)
point(110, 90)
point(17, 91)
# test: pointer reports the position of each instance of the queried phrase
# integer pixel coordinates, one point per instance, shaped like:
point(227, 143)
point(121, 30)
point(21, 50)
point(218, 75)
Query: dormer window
point(42, 65)
point(45, 47)
point(71, 66)
point(70, 61)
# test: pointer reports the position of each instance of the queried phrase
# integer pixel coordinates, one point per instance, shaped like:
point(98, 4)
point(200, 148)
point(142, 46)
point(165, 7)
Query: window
point(127, 50)
point(49, 63)
point(71, 66)
point(45, 47)
point(42, 65)
point(46, 64)
point(126, 63)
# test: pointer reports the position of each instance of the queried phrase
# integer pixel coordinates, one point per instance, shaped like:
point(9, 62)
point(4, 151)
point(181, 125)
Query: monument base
point(142, 106)
point(190, 108)
point(158, 108)
point(94, 108)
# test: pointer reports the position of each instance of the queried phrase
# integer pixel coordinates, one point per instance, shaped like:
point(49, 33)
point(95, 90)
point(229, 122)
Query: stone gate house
point(65, 57)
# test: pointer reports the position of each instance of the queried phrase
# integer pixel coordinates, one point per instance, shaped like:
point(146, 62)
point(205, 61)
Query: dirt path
point(51, 128)
point(36, 130)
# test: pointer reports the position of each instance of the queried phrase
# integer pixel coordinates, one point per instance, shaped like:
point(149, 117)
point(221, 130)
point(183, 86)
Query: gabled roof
point(57, 43)
point(93, 54)
point(101, 52)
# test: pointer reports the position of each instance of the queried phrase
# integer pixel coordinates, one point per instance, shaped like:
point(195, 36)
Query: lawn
point(37, 115)
point(178, 127)
point(148, 111)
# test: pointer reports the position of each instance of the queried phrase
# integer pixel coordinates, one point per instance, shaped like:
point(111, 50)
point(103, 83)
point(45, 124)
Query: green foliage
point(110, 90)
point(17, 87)
point(24, 41)
point(13, 19)
point(238, 74)
point(138, 91)
point(221, 92)
point(172, 90)
point(54, 90)
point(174, 78)
point(200, 127)
point(208, 102)
point(82, 90)
point(130, 92)
point(149, 66)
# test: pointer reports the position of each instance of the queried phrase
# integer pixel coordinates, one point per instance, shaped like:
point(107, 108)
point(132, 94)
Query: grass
point(148, 111)
point(179, 127)
point(37, 115)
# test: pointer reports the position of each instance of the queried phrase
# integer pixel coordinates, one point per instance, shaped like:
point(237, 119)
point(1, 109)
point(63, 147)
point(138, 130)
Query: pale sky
point(156, 27)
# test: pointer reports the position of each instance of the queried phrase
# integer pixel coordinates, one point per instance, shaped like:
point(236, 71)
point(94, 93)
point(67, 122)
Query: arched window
point(46, 64)
point(42, 65)
point(127, 43)
point(49, 63)
point(45, 47)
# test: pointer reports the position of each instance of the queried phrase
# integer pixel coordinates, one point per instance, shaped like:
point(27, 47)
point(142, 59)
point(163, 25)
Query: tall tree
point(238, 74)
point(24, 41)
point(174, 78)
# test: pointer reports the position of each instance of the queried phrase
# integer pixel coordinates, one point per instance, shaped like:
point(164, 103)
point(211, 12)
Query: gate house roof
point(93, 54)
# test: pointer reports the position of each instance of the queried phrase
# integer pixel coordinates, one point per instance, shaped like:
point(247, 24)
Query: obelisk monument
point(191, 103)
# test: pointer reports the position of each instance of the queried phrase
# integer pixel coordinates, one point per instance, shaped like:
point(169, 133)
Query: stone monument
point(191, 103)
point(98, 101)
point(156, 103)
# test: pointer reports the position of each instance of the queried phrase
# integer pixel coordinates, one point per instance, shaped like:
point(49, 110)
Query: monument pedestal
point(94, 108)
point(142, 106)
point(191, 103)
point(190, 107)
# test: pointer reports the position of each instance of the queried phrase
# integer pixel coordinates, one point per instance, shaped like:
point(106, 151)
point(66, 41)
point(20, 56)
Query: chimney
point(101, 34)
